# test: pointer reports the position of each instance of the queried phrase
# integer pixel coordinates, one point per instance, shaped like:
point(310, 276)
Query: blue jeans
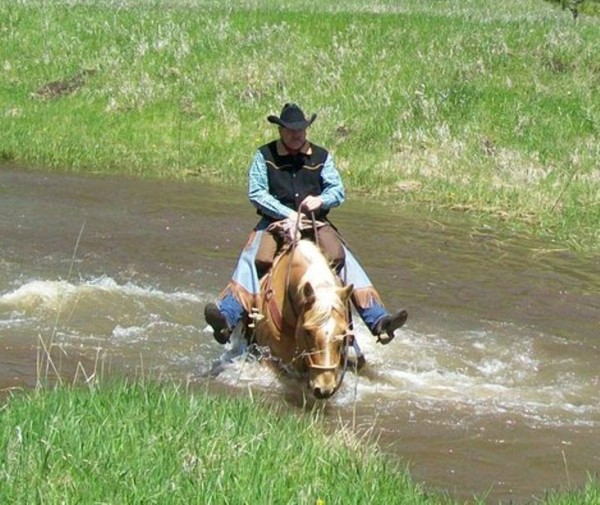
point(245, 275)
point(233, 311)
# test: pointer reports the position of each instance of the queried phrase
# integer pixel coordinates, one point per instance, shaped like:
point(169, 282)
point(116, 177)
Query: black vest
point(294, 177)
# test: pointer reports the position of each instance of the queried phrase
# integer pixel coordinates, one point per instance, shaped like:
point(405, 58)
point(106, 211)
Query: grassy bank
point(150, 443)
point(470, 106)
point(480, 107)
point(146, 443)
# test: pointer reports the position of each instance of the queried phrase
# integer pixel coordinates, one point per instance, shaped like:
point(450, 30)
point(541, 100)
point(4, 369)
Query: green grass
point(470, 106)
point(151, 443)
point(146, 442)
point(451, 106)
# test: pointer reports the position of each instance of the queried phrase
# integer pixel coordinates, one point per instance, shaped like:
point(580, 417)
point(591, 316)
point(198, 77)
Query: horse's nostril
point(322, 394)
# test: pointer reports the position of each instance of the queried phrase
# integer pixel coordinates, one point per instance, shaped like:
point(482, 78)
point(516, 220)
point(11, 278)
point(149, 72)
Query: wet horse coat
point(306, 320)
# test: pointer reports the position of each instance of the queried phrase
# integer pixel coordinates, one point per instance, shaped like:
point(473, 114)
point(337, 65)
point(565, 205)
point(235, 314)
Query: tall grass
point(150, 443)
point(146, 442)
point(471, 106)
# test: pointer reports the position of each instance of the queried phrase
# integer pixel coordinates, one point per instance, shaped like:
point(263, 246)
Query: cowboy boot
point(214, 317)
point(388, 324)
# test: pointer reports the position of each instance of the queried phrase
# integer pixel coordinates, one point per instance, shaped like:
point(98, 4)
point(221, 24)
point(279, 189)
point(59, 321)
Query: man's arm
point(333, 193)
point(258, 191)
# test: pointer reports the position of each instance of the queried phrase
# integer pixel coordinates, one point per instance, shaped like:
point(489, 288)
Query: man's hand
point(291, 232)
point(288, 228)
point(311, 204)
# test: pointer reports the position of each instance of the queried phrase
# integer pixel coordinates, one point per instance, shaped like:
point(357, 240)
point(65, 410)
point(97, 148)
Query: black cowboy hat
point(292, 117)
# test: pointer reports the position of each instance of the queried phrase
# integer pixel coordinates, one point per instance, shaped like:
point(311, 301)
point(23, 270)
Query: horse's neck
point(297, 265)
point(314, 266)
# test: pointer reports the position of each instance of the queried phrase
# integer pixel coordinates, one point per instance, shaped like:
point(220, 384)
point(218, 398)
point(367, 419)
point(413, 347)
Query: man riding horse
point(287, 176)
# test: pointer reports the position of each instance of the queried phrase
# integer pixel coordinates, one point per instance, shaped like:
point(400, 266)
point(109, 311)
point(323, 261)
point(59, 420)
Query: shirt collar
point(282, 151)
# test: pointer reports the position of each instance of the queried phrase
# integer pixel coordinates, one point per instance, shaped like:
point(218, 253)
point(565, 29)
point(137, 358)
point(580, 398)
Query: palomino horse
point(306, 318)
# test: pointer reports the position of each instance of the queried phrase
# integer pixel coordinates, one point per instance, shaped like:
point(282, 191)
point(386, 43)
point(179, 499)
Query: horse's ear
point(346, 291)
point(309, 293)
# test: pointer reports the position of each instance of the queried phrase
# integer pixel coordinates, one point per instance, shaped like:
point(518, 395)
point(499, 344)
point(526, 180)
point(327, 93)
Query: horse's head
point(325, 331)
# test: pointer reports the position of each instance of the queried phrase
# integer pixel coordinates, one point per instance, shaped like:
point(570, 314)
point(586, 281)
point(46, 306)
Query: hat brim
point(296, 125)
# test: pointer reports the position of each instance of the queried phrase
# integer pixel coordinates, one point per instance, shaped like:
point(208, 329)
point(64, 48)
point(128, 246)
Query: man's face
point(293, 139)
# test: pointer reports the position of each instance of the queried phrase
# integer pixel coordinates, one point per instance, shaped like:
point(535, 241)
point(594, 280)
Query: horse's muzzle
point(323, 384)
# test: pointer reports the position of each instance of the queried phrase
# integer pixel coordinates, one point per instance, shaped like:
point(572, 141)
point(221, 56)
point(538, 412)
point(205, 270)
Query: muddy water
point(492, 388)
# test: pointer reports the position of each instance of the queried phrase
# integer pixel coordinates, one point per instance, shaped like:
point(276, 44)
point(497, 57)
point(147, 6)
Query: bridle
point(346, 336)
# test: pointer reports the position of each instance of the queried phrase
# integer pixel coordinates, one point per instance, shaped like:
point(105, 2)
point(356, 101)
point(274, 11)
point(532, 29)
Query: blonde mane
point(324, 282)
